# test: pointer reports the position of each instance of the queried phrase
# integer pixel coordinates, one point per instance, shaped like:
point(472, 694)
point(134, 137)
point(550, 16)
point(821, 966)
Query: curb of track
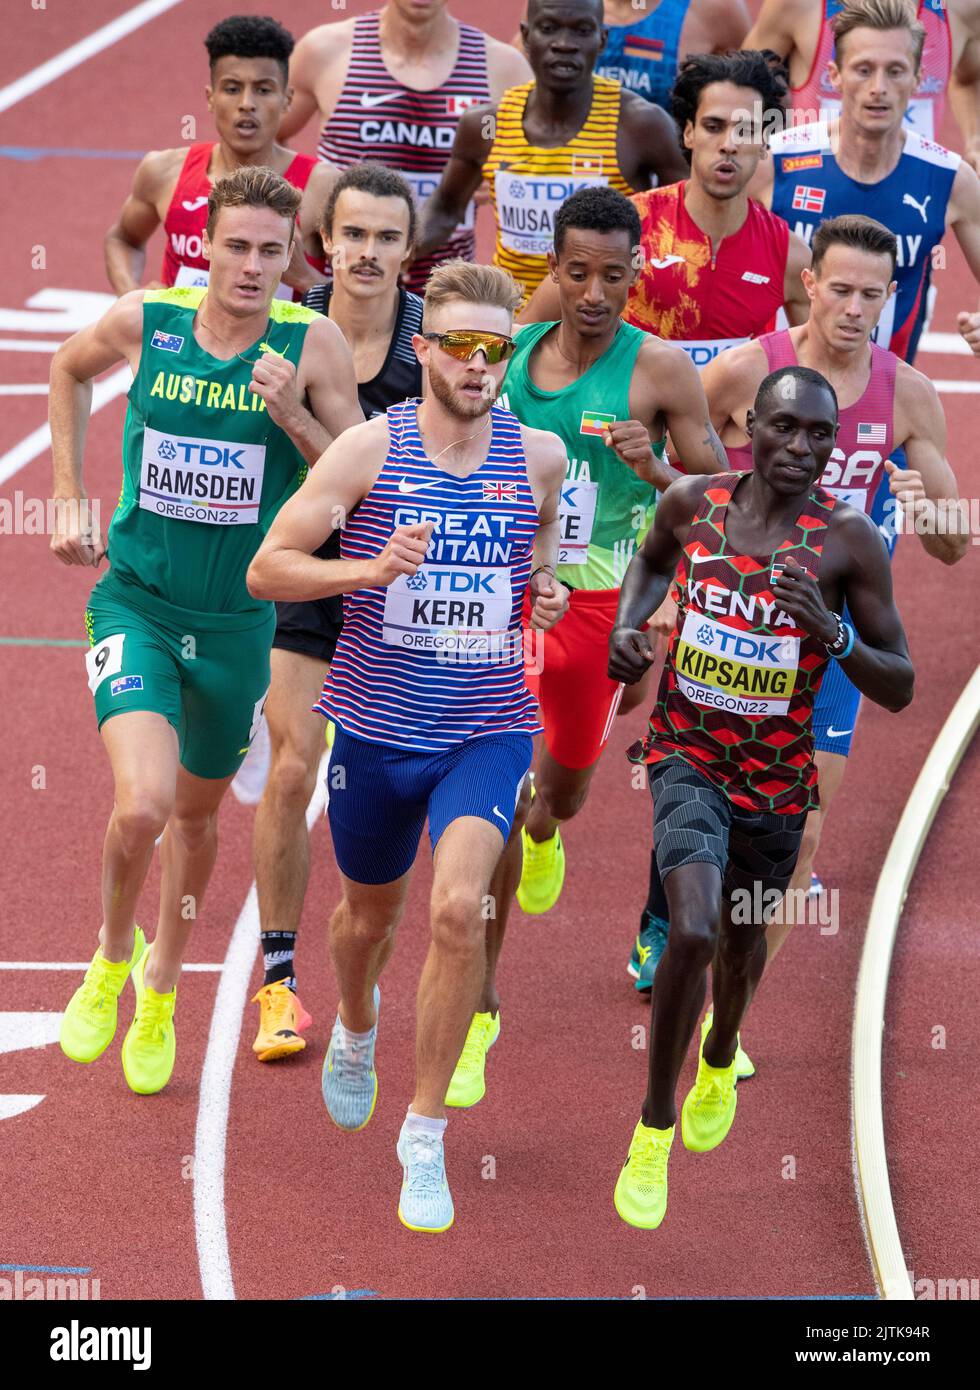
point(868, 1133)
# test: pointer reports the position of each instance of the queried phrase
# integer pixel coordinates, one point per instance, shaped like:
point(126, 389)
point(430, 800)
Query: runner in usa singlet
point(740, 677)
point(928, 104)
point(643, 56)
point(377, 117)
point(436, 658)
point(184, 263)
point(700, 301)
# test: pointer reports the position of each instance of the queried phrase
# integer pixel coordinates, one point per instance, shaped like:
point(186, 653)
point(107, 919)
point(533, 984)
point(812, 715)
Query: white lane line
point(80, 52)
point(944, 342)
point(30, 344)
point(34, 388)
point(214, 1097)
point(957, 388)
point(40, 439)
point(80, 965)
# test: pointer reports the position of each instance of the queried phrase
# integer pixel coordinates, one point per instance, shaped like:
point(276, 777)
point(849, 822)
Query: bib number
point(104, 659)
point(576, 518)
point(448, 608)
point(724, 668)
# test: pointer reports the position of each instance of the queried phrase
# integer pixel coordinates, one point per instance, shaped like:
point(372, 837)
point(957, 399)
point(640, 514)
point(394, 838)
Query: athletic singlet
point(740, 677)
point(809, 186)
point(855, 473)
point(401, 372)
point(377, 117)
point(184, 263)
point(605, 508)
point(436, 657)
point(644, 56)
point(529, 183)
point(925, 113)
point(706, 304)
point(205, 469)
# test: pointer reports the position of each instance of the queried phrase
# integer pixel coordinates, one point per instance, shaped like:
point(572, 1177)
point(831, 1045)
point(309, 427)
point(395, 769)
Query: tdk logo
point(203, 455)
point(461, 582)
point(740, 646)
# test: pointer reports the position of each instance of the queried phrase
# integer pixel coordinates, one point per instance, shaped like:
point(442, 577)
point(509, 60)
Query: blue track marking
point(29, 153)
point(48, 1269)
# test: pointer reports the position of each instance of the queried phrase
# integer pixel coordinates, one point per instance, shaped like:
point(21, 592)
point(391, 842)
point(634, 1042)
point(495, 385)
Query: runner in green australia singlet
point(234, 395)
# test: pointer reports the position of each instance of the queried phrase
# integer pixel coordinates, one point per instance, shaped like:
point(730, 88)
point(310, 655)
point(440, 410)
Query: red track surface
point(97, 1176)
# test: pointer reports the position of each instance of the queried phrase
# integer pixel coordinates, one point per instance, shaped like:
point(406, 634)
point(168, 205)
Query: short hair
point(471, 283)
point(759, 69)
point(597, 210)
point(769, 386)
point(880, 15)
point(597, 5)
point(250, 36)
point(376, 179)
point(254, 186)
point(853, 229)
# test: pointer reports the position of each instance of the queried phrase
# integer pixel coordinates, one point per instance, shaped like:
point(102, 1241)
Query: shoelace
point(96, 986)
point(152, 1020)
point(710, 1091)
point(424, 1170)
point(348, 1065)
point(648, 1162)
point(539, 857)
point(277, 1004)
point(474, 1049)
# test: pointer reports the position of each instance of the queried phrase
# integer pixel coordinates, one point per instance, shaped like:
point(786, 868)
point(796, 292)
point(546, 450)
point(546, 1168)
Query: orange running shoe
point(281, 1020)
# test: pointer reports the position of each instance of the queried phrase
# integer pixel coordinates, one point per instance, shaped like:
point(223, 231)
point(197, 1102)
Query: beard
point(457, 404)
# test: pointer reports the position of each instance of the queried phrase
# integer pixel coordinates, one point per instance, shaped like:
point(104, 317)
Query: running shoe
point(150, 1047)
point(816, 886)
point(349, 1081)
point(281, 1020)
point(426, 1204)
point(469, 1081)
point(648, 947)
point(641, 1192)
point(88, 1025)
point(709, 1108)
point(543, 873)
point(744, 1065)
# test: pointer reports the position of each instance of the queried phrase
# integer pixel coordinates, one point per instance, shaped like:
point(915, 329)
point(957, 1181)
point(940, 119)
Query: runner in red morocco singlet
point(770, 561)
point(456, 520)
point(248, 94)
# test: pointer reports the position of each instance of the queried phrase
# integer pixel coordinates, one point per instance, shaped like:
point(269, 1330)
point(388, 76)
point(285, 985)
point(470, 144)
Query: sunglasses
point(464, 343)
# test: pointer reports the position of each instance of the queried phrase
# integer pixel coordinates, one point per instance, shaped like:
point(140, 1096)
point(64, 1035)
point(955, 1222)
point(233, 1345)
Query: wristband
point(838, 638)
point(547, 569)
point(849, 646)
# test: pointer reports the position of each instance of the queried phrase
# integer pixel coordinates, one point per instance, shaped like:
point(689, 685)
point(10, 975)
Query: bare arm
point(284, 567)
point(775, 28)
point(964, 216)
point(723, 381)
point(927, 487)
point(116, 337)
point(692, 434)
point(506, 67)
point(964, 82)
point(795, 298)
point(547, 464)
point(647, 144)
point(315, 195)
point(728, 22)
point(461, 178)
point(305, 65)
point(125, 241)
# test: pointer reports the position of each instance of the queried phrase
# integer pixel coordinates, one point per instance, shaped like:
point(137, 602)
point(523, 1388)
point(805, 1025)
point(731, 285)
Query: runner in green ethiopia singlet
point(172, 626)
point(605, 508)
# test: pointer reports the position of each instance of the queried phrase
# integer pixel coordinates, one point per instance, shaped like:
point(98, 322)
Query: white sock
point(422, 1124)
point(348, 1038)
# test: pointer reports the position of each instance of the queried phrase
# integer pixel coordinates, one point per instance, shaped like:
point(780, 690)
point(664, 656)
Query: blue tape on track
point(28, 153)
point(47, 1269)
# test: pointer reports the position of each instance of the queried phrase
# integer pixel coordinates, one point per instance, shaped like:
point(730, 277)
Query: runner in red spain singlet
point(771, 559)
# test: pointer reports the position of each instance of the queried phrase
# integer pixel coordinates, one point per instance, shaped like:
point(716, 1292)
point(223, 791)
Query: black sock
point(656, 906)
point(277, 951)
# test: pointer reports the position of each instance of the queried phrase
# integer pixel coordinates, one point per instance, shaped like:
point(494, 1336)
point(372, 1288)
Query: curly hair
point(597, 210)
point(250, 36)
point(760, 69)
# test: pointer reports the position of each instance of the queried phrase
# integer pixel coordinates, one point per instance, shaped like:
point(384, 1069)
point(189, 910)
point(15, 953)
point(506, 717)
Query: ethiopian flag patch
point(595, 422)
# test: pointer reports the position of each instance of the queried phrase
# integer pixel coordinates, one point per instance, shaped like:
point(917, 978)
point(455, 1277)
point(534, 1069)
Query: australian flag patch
point(166, 342)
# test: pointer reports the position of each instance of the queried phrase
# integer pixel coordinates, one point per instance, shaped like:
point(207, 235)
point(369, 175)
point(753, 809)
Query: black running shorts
point(312, 628)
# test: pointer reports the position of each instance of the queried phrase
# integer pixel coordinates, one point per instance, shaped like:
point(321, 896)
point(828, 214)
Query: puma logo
point(908, 200)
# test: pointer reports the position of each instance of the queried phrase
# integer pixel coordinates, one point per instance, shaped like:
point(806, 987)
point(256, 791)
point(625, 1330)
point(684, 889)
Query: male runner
point(770, 559)
point(367, 226)
point(646, 40)
point(610, 392)
point(715, 265)
point(248, 94)
point(568, 129)
point(456, 520)
point(870, 161)
point(232, 391)
point(801, 32)
point(391, 86)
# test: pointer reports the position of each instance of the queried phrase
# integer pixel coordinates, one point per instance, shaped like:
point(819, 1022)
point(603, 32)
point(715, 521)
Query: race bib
point(188, 275)
point(576, 518)
point(721, 668)
point(527, 205)
point(424, 185)
point(104, 659)
point(207, 480)
point(701, 352)
point(448, 608)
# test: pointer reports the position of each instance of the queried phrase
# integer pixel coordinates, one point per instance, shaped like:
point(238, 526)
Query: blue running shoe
point(426, 1203)
point(816, 886)
point(349, 1081)
point(648, 947)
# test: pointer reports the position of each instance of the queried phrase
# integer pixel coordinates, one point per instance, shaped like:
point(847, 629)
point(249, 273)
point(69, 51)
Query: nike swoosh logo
point(696, 559)
point(379, 98)
point(193, 206)
point(405, 486)
point(838, 733)
point(497, 812)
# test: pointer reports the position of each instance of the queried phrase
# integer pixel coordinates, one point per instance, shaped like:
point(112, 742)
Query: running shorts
point(312, 628)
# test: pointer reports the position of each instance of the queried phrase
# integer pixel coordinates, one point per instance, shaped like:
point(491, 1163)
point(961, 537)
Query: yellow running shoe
point(744, 1065)
point(88, 1025)
point(709, 1109)
point(150, 1046)
point(281, 1020)
point(543, 873)
point(641, 1192)
point(469, 1081)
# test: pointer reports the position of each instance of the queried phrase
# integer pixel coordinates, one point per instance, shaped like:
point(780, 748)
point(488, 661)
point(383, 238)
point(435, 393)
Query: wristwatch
point(843, 642)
